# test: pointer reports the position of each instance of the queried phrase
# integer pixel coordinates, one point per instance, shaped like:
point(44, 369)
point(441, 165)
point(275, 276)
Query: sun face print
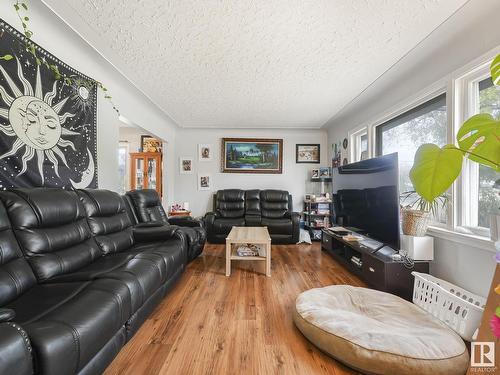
point(36, 122)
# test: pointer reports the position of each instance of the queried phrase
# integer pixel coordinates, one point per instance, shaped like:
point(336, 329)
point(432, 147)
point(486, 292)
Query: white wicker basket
point(456, 307)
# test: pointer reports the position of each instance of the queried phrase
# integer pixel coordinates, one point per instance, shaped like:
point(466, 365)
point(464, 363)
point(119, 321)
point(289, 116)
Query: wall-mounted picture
point(204, 152)
point(204, 181)
point(252, 155)
point(315, 173)
point(150, 144)
point(185, 165)
point(324, 172)
point(307, 153)
point(48, 128)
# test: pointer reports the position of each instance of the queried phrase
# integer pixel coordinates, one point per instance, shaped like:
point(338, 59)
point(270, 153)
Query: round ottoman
point(378, 333)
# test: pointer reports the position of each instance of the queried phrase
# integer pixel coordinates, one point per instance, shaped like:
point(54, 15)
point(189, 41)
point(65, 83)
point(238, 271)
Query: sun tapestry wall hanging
point(47, 126)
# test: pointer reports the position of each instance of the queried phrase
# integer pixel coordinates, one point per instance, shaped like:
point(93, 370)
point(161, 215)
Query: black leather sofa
point(147, 211)
point(270, 208)
point(77, 278)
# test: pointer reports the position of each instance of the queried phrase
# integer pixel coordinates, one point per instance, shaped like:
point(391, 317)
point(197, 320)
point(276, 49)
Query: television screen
point(366, 198)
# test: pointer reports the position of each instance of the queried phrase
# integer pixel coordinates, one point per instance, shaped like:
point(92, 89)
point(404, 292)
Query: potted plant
point(436, 168)
point(416, 212)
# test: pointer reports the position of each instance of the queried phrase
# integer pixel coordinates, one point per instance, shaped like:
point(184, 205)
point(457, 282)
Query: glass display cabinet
point(145, 171)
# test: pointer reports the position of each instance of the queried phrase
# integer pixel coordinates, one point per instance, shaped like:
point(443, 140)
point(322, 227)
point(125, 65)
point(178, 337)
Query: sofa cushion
point(108, 219)
point(147, 205)
point(224, 225)
point(275, 203)
point(52, 230)
point(278, 226)
point(142, 273)
point(173, 253)
point(252, 202)
point(379, 333)
point(68, 323)
point(230, 203)
point(16, 276)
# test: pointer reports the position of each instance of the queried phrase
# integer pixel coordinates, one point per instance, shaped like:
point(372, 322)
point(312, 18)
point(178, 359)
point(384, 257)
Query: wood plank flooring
point(242, 324)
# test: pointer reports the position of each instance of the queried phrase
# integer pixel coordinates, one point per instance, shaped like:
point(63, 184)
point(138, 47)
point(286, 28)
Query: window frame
point(355, 143)
point(404, 117)
point(426, 101)
point(126, 146)
point(467, 183)
point(454, 86)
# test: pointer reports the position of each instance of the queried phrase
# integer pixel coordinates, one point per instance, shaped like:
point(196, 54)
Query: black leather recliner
point(76, 281)
point(270, 208)
point(146, 210)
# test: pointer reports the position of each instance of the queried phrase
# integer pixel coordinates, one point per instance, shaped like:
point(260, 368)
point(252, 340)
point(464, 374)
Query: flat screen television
point(366, 198)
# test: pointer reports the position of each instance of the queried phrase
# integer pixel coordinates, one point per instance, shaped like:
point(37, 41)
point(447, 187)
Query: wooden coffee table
point(248, 235)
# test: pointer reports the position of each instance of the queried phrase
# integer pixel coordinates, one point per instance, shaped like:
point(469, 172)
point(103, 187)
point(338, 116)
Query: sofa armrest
point(209, 220)
point(6, 315)
point(152, 233)
point(15, 350)
point(185, 221)
point(295, 217)
point(150, 224)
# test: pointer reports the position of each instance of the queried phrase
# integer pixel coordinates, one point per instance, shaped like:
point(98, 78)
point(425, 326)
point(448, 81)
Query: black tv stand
point(376, 268)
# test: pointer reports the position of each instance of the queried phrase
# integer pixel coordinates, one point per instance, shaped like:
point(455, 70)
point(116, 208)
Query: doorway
point(140, 159)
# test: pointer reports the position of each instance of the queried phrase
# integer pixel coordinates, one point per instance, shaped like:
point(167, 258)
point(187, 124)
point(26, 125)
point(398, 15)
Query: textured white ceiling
point(256, 63)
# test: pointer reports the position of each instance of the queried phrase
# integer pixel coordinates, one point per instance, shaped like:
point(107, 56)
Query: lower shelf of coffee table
point(237, 257)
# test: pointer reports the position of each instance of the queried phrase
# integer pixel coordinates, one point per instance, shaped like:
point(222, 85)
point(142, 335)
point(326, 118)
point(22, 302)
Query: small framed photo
point(185, 165)
point(315, 173)
point(307, 153)
point(324, 172)
point(204, 181)
point(204, 152)
point(150, 144)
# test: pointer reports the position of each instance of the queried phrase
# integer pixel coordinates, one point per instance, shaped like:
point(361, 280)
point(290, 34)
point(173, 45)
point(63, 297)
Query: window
point(469, 90)
point(426, 123)
point(359, 141)
point(123, 149)
point(480, 196)
point(488, 200)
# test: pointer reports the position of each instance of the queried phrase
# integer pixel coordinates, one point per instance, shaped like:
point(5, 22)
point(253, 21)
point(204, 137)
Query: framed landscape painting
point(252, 155)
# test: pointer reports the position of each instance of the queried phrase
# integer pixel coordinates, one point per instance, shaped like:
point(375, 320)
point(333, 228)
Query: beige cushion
point(378, 333)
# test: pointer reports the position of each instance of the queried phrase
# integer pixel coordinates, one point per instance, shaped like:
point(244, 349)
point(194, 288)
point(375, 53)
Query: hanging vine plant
point(21, 9)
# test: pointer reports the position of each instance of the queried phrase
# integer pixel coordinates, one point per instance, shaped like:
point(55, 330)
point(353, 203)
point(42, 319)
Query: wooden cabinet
point(146, 171)
point(377, 269)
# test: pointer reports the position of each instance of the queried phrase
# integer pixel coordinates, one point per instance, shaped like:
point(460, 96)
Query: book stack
point(250, 250)
point(323, 209)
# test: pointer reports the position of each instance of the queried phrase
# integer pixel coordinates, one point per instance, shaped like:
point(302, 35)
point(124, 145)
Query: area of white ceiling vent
point(256, 63)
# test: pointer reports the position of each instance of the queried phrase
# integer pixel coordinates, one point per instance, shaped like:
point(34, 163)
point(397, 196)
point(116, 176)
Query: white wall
point(294, 177)
point(472, 32)
point(56, 37)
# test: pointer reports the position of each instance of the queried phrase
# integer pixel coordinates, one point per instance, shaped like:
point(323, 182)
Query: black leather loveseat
point(269, 208)
point(77, 278)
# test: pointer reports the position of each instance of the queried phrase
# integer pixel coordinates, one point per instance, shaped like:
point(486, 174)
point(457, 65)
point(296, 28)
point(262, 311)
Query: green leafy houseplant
point(436, 168)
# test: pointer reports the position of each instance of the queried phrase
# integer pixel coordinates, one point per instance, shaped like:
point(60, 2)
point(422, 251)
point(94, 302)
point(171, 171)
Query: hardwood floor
point(242, 324)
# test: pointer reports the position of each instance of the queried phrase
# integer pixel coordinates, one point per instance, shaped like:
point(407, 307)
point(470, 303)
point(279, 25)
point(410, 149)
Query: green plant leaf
point(480, 135)
point(434, 170)
point(6, 57)
point(495, 70)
